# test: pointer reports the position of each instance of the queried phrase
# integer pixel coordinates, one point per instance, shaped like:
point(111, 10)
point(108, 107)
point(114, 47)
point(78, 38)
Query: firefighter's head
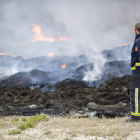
point(137, 29)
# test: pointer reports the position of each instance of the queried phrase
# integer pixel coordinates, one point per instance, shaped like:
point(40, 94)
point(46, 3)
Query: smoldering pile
point(71, 97)
point(42, 85)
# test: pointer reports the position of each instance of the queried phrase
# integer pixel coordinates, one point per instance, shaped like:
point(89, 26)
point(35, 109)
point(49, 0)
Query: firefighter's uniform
point(135, 79)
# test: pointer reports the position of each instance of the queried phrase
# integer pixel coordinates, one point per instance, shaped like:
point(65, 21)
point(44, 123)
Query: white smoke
point(9, 70)
point(98, 61)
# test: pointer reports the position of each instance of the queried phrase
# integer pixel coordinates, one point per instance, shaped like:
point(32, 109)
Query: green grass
point(74, 135)
point(14, 132)
point(3, 124)
point(32, 121)
point(26, 125)
point(38, 118)
point(48, 132)
point(24, 119)
point(15, 119)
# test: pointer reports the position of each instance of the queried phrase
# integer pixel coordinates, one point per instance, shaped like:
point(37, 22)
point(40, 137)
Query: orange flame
point(51, 54)
point(91, 53)
point(38, 36)
point(24, 44)
point(64, 38)
point(127, 43)
point(63, 66)
point(2, 53)
point(14, 56)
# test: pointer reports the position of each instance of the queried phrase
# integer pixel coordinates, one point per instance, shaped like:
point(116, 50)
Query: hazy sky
point(32, 28)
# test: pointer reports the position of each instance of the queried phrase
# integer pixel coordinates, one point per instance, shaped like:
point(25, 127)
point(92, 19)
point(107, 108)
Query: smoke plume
point(66, 27)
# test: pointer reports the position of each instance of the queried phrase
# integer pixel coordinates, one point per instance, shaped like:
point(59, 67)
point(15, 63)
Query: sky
point(33, 28)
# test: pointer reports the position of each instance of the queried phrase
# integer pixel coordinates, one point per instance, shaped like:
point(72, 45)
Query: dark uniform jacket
point(135, 55)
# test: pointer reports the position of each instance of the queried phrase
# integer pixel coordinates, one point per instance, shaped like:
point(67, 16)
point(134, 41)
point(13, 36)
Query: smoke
point(78, 26)
point(98, 61)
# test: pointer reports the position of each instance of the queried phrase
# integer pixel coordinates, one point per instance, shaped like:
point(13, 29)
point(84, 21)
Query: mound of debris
point(71, 97)
point(55, 85)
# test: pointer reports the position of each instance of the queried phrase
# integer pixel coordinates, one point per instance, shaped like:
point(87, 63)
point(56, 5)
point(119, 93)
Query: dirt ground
point(63, 128)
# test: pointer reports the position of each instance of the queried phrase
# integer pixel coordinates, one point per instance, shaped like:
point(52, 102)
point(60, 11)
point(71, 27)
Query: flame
point(14, 56)
point(24, 44)
point(91, 53)
point(38, 36)
point(2, 53)
point(127, 43)
point(48, 19)
point(51, 54)
point(63, 66)
point(64, 38)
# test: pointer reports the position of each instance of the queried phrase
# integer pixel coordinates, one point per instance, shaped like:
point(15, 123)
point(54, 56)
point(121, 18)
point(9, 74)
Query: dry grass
point(67, 128)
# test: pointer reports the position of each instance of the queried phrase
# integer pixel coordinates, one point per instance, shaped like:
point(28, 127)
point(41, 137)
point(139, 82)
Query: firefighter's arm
point(137, 49)
point(133, 59)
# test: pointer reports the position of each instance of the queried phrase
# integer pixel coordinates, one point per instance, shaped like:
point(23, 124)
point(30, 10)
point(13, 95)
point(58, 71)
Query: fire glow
point(127, 43)
point(63, 66)
point(51, 54)
point(24, 44)
point(91, 53)
point(38, 35)
point(64, 38)
point(14, 56)
point(2, 53)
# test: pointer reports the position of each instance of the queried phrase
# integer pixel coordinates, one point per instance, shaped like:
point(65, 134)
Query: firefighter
point(135, 78)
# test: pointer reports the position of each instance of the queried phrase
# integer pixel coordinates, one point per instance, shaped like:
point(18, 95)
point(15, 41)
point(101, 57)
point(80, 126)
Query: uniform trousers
point(135, 96)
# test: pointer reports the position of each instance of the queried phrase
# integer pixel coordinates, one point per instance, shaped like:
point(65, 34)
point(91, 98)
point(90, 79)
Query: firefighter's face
point(136, 32)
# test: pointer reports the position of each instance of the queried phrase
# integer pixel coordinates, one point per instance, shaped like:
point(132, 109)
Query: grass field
point(42, 127)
